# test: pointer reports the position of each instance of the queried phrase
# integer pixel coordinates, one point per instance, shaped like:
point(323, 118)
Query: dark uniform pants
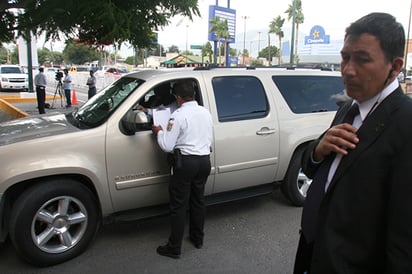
point(41, 98)
point(303, 256)
point(67, 93)
point(91, 92)
point(187, 187)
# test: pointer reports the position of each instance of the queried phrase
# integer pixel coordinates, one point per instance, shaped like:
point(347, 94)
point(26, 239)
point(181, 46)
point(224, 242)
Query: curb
point(7, 106)
point(12, 110)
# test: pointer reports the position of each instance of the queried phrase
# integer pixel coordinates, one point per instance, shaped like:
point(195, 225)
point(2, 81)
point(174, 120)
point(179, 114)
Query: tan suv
point(64, 174)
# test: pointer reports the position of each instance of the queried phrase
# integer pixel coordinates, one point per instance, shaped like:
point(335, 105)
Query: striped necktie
point(316, 190)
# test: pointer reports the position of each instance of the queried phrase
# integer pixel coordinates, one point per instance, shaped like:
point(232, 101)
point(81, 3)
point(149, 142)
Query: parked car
point(111, 168)
point(116, 71)
point(79, 69)
point(12, 77)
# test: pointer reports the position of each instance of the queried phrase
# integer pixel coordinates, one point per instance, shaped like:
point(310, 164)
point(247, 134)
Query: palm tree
point(299, 19)
point(221, 29)
point(207, 51)
point(276, 27)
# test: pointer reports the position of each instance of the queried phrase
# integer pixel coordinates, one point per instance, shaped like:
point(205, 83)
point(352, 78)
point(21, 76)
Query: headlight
point(4, 79)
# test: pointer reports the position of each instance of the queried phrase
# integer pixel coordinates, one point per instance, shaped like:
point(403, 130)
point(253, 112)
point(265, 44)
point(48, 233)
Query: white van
point(12, 77)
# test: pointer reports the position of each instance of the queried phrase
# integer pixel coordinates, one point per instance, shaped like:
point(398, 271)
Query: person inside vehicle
point(162, 97)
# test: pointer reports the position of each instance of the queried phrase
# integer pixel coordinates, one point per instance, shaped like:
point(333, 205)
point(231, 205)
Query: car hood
point(32, 127)
point(14, 75)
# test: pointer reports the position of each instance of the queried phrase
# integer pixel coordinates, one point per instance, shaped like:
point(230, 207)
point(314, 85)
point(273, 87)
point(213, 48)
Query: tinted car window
point(10, 70)
point(306, 94)
point(239, 98)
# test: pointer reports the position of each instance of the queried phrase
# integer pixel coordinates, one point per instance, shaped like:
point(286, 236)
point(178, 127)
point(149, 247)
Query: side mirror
point(133, 121)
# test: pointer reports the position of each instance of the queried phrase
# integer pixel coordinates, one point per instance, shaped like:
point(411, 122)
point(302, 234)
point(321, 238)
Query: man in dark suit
point(357, 216)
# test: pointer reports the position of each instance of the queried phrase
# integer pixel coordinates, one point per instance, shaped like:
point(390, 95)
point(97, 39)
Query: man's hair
point(41, 69)
point(163, 88)
point(66, 71)
point(184, 89)
point(384, 27)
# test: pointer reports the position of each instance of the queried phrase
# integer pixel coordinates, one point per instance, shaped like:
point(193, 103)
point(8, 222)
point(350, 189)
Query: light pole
point(187, 26)
point(292, 40)
point(407, 40)
point(250, 49)
point(270, 57)
point(258, 43)
point(244, 37)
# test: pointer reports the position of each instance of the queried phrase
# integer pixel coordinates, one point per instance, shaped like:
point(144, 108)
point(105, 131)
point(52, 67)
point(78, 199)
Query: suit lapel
point(371, 128)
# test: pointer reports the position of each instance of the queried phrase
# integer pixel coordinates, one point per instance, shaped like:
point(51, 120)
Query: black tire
point(54, 221)
point(295, 184)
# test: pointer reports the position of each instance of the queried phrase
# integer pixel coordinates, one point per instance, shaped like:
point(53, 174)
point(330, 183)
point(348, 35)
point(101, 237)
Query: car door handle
point(265, 131)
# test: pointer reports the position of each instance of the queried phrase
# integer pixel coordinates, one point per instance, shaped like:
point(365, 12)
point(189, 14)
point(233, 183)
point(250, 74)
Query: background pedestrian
point(40, 82)
point(67, 86)
point(91, 82)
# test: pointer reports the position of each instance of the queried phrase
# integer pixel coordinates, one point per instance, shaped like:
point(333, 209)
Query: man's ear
point(397, 65)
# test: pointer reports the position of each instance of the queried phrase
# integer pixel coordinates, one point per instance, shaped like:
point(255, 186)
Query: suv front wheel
point(54, 221)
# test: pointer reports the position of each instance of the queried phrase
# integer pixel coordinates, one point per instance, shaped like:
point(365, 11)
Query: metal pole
point(244, 38)
point(250, 48)
point(292, 39)
point(407, 40)
point(187, 26)
point(29, 61)
point(259, 43)
point(270, 58)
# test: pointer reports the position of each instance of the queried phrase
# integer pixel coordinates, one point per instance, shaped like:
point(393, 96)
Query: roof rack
point(287, 67)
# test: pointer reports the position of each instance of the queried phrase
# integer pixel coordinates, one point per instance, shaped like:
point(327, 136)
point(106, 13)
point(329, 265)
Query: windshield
point(10, 70)
point(104, 103)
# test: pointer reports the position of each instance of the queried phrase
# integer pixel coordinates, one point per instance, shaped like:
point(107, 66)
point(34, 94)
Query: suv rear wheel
point(296, 183)
point(54, 221)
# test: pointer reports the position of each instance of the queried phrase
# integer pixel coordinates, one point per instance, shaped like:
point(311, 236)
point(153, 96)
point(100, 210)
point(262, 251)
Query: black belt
point(194, 156)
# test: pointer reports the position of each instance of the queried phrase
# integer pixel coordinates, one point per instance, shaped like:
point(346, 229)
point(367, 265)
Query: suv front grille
point(17, 80)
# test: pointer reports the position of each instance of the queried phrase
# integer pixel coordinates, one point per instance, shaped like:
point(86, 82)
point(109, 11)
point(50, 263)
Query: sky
point(333, 15)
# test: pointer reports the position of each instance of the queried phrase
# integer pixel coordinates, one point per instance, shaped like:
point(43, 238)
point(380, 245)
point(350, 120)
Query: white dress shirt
point(365, 109)
point(189, 129)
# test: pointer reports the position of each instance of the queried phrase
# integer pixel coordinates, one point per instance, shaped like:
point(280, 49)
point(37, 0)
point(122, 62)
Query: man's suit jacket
point(365, 218)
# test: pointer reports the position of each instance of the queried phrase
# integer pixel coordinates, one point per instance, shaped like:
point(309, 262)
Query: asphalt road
point(257, 235)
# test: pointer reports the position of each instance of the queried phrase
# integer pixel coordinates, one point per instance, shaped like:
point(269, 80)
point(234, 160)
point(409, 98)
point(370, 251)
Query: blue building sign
point(317, 36)
point(233, 61)
point(224, 14)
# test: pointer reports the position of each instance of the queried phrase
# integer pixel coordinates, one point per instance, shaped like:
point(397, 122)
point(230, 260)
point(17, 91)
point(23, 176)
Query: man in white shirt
point(40, 82)
point(189, 137)
point(67, 86)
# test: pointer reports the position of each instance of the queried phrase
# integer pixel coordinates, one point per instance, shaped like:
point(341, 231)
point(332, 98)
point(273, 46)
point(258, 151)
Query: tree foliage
point(3, 55)
point(75, 53)
point(207, 51)
point(9, 56)
point(94, 22)
point(267, 52)
point(275, 27)
point(173, 48)
point(221, 29)
point(46, 56)
point(299, 19)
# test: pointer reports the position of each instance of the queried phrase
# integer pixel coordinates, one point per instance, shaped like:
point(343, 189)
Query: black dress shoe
point(166, 250)
point(196, 244)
